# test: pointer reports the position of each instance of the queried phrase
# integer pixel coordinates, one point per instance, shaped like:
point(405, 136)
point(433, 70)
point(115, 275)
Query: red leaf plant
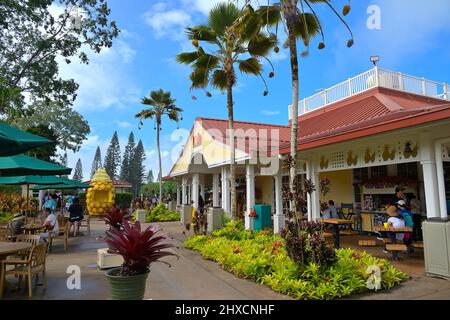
point(139, 249)
point(115, 217)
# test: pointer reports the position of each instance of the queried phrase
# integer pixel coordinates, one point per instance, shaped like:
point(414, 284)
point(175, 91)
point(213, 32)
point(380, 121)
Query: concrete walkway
point(190, 277)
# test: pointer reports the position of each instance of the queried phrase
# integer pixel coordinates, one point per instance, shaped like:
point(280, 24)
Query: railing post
point(377, 77)
point(446, 97)
point(424, 87)
point(304, 105)
point(350, 90)
point(325, 98)
point(400, 81)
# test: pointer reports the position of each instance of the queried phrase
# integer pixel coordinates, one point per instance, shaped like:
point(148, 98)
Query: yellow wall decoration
point(100, 197)
point(352, 159)
point(323, 163)
point(369, 157)
point(388, 154)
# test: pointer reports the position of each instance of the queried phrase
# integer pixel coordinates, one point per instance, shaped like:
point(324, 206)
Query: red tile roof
point(375, 111)
point(116, 183)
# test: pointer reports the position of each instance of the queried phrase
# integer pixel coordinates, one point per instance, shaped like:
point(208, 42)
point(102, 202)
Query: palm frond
point(223, 16)
point(251, 66)
point(199, 78)
point(261, 45)
point(201, 33)
point(219, 79)
point(188, 57)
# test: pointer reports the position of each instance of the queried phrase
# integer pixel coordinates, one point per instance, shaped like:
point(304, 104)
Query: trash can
point(263, 217)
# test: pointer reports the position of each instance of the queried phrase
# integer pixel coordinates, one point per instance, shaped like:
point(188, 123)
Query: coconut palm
point(161, 103)
point(215, 63)
point(298, 24)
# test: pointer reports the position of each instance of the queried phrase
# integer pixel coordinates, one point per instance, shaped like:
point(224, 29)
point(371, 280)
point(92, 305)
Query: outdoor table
point(392, 232)
point(9, 248)
point(32, 229)
point(336, 231)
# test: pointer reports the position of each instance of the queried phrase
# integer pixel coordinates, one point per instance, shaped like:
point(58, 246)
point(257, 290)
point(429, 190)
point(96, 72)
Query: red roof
point(116, 183)
point(375, 111)
point(263, 139)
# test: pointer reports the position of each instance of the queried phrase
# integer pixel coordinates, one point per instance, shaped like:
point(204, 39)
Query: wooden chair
point(32, 265)
point(63, 234)
point(5, 233)
point(30, 238)
point(87, 223)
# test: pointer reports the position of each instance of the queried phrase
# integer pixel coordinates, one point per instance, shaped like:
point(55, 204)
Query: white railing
point(375, 77)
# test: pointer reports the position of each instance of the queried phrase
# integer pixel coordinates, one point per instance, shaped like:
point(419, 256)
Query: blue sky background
point(413, 39)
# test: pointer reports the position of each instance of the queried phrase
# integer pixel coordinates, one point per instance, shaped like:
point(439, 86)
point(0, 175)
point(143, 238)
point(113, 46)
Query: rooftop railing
point(376, 77)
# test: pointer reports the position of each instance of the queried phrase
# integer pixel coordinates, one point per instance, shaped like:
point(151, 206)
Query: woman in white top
point(51, 224)
point(395, 220)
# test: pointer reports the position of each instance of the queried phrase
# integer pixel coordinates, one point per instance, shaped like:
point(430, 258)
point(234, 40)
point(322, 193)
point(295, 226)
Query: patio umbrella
point(14, 141)
point(62, 186)
point(24, 165)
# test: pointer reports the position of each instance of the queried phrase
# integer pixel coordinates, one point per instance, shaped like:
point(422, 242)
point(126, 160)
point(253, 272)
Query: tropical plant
point(220, 48)
point(161, 103)
point(116, 217)
point(139, 249)
point(298, 24)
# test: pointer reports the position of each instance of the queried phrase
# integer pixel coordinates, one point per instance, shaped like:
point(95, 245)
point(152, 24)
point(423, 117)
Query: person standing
point(51, 203)
point(75, 216)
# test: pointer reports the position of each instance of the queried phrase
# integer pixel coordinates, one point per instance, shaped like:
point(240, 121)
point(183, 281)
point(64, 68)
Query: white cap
point(401, 203)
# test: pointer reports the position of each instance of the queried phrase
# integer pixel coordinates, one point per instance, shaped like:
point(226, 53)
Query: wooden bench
point(387, 241)
point(396, 247)
point(367, 243)
point(328, 235)
point(417, 245)
point(349, 233)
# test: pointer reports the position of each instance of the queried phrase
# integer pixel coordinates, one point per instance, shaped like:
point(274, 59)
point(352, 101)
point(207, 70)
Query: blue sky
point(413, 39)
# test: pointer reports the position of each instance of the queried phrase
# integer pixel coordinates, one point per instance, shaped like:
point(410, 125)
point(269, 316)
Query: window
point(359, 175)
point(407, 169)
point(380, 171)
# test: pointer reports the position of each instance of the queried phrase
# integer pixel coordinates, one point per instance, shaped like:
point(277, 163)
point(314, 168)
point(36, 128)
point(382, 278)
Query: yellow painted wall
point(264, 184)
point(341, 186)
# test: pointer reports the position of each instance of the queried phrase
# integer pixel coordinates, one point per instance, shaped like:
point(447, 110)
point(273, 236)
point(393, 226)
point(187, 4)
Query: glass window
point(380, 171)
point(407, 169)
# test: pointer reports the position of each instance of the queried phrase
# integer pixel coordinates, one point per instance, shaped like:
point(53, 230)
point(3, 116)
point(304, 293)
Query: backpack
point(407, 216)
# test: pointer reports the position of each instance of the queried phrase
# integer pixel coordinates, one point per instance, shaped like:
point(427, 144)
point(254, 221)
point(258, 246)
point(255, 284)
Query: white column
point(440, 179)
point(216, 185)
point(194, 192)
point(279, 218)
point(315, 196)
point(226, 205)
point(308, 196)
point(184, 199)
point(429, 176)
point(250, 188)
point(202, 187)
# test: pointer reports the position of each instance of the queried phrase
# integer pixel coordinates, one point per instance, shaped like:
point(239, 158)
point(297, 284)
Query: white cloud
point(270, 112)
point(123, 124)
point(165, 21)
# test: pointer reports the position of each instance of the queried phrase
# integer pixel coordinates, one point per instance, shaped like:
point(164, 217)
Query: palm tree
point(161, 103)
point(215, 65)
point(298, 24)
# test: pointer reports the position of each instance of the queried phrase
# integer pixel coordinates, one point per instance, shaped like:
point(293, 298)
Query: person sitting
point(75, 215)
point(395, 220)
point(17, 222)
point(50, 224)
point(330, 212)
point(407, 216)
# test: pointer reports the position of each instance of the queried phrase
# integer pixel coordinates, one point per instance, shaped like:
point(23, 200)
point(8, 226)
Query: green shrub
point(262, 257)
point(6, 216)
point(123, 200)
point(161, 214)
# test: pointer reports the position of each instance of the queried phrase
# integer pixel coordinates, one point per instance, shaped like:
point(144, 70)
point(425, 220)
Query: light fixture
point(375, 59)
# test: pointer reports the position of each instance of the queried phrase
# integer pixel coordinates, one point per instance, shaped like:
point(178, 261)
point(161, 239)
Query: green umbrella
point(24, 165)
point(62, 186)
point(14, 141)
point(21, 180)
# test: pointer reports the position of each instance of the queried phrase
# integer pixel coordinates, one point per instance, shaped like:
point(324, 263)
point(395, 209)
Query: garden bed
point(261, 256)
point(160, 214)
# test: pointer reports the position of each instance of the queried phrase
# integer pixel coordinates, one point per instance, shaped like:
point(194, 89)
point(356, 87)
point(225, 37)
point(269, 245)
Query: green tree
point(112, 158)
point(97, 162)
point(126, 160)
point(161, 103)
point(137, 168)
point(70, 127)
point(299, 24)
point(150, 177)
point(64, 162)
point(169, 189)
point(226, 48)
point(33, 37)
point(46, 152)
point(78, 174)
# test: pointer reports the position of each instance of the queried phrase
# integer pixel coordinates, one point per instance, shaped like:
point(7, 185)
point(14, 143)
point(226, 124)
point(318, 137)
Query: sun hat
point(392, 211)
point(401, 203)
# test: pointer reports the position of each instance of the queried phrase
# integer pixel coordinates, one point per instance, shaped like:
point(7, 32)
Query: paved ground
point(190, 277)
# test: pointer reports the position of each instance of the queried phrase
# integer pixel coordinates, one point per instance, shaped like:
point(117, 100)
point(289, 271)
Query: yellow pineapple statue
point(100, 197)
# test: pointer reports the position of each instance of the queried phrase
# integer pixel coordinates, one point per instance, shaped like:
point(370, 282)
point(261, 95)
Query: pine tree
point(112, 158)
point(137, 169)
point(150, 177)
point(126, 160)
point(78, 174)
point(64, 162)
point(97, 163)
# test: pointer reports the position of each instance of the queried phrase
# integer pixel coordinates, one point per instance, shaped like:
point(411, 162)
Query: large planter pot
point(126, 288)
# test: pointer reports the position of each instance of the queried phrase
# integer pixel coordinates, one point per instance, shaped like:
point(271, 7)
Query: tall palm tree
point(161, 103)
point(215, 65)
point(298, 24)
